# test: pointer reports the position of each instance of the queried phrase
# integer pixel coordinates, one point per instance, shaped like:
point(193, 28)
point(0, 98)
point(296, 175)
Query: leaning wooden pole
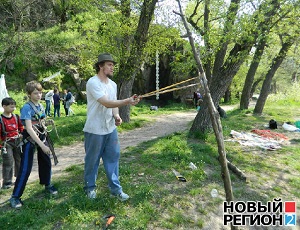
point(214, 115)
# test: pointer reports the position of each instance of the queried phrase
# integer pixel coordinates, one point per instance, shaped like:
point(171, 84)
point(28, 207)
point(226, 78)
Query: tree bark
point(205, 33)
point(268, 80)
point(126, 91)
point(227, 95)
point(236, 171)
point(294, 76)
point(130, 64)
point(230, 19)
point(254, 85)
point(246, 93)
point(220, 82)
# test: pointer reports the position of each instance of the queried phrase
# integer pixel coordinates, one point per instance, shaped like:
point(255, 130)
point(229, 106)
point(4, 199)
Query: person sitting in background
point(199, 104)
point(196, 98)
point(221, 112)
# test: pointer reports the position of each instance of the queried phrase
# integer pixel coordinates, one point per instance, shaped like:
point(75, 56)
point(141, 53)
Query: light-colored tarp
point(264, 139)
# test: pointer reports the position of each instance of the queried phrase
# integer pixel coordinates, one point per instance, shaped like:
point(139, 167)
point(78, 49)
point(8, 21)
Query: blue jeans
point(57, 110)
point(106, 147)
point(48, 105)
point(44, 163)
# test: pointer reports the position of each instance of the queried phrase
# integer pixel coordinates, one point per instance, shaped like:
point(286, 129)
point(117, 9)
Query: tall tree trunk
point(225, 70)
point(268, 80)
point(219, 85)
point(126, 91)
point(208, 63)
point(205, 33)
point(294, 76)
point(246, 93)
point(131, 63)
point(230, 19)
point(227, 95)
point(254, 85)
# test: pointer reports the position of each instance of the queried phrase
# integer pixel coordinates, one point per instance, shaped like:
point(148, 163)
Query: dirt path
point(161, 126)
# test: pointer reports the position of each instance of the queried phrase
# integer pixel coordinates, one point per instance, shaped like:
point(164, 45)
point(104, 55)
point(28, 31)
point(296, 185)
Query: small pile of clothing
point(289, 127)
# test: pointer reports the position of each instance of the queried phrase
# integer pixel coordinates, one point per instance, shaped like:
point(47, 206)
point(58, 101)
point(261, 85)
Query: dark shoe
point(7, 185)
point(15, 202)
point(51, 189)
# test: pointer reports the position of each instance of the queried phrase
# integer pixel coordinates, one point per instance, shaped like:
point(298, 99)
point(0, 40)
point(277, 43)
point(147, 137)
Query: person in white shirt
point(49, 101)
point(100, 133)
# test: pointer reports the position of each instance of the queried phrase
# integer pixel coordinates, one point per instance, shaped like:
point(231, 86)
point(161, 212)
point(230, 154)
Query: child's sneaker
point(121, 196)
point(51, 189)
point(91, 194)
point(15, 202)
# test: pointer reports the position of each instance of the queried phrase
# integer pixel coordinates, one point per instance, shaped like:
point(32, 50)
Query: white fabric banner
point(3, 91)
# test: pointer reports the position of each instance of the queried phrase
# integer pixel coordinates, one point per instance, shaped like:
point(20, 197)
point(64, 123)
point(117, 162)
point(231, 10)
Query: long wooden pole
point(214, 115)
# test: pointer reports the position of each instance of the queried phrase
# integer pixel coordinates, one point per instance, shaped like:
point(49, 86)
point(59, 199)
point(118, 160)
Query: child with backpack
point(10, 129)
point(34, 136)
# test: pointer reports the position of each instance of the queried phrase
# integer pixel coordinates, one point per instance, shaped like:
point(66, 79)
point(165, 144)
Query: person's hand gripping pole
point(135, 99)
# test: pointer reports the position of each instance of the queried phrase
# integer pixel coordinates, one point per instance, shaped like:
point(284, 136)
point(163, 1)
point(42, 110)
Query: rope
point(45, 124)
point(166, 89)
point(49, 122)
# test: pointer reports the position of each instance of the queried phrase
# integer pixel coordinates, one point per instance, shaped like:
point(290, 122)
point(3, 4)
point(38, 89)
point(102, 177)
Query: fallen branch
point(236, 171)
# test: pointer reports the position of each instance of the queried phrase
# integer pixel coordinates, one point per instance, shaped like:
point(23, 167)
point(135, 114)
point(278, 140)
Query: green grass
point(158, 199)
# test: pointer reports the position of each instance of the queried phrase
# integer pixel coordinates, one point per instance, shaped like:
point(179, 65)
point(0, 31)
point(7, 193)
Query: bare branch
point(195, 10)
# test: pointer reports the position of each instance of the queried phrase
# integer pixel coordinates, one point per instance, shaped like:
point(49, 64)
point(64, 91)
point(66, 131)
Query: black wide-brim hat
point(105, 57)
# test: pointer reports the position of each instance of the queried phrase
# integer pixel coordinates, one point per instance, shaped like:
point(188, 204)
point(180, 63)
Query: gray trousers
point(11, 163)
